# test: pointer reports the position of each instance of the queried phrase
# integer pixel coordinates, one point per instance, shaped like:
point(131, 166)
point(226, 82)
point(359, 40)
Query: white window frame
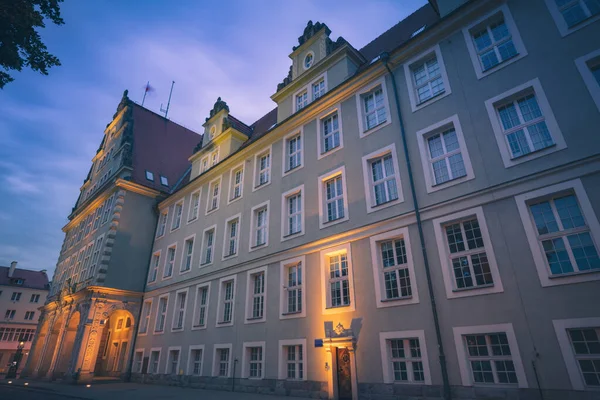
point(438, 128)
point(539, 259)
point(585, 69)
point(210, 197)
point(232, 184)
point(227, 237)
point(282, 374)
point(465, 369)
point(184, 255)
point(190, 362)
point(442, 245)
point(159, 351)
point(250, 295)
point(561, 24)
point(367, 178)
point(323, 223)
point(308, 88)
point(166, 260)
point(362, 131)
point(305, 90)
point(145, 319)
point(216, 361)
point(191, 217)
point(138, 370)
point(377, 265)
point(253, 220)
point(246, 359)
point(168, 363)
point(388, 374)
point(560, 328)
point(160, 226)
point(283, 275)
point(542, 100)
point(286, 156)
point(159, 298)
point(410, 82)
point(204, 164)
point(299, 190)
point(326, 308)
point(221, 301)
point(513, 30)
point(204, 246)
point(196, 315)
point(255, 176)
point(321, 153)
point(214, 157)
point(176, 215)
point(176, 310)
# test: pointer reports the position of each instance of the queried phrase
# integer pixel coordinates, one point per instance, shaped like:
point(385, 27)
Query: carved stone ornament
point(219, 105)
point(339, 329)
point(310, 30)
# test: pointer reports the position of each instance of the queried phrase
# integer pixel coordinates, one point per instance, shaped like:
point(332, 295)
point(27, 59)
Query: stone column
point(330, 374)
point(90, 341)
point(353, 377)
point(79, 343)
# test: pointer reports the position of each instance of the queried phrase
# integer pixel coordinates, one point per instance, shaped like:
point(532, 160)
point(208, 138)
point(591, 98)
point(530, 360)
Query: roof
point(31, 279)
point(239, 125)
point(160, 146)
point(401, 32)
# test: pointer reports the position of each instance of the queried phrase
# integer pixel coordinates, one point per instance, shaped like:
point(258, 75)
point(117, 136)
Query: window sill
point(225, 323)
point(256, 319)
point(430, 100)
point(574, 273)
point(291, 235)
point(262, 185)
point(449, 181)
point(206, 264)
point(385, 203)
point(288, 171)
point(331, 221)
point(192, 220)
point(211, 210)
point(228, 256)
point(488, 70)
point(292, 313)
point(397, 299)
point(177, 329)
point(522, 157)
point(372, 129)
point(258, 246)
point(461, 290)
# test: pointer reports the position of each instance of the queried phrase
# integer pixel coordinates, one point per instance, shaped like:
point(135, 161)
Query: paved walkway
point(118, 391)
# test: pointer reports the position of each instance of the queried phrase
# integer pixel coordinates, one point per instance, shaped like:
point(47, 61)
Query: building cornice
point(229, 132)
point(137, 188)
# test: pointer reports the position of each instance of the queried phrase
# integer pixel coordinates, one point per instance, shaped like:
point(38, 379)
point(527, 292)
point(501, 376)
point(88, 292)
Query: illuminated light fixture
point(9, 381)
point(88, 385)
point(26, 383)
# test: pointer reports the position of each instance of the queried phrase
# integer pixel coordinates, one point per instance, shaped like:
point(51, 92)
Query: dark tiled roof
point(401, 32)
point(31, 279)
point(264, 123)
point(160, 146)
point(239, 125)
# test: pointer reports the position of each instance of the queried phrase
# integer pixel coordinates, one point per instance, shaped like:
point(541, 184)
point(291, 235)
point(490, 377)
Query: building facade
point(22, 292)
point(415, 219)
point(91, 314)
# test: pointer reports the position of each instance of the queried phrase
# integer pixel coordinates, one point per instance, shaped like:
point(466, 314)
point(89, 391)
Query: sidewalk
point(127, 391)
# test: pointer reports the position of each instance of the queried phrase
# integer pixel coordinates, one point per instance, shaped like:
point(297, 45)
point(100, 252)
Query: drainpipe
point(385, 57)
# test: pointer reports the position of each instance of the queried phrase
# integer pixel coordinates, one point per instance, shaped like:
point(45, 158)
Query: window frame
point(176, 310)
point(410, 82)
point(321, 153)
point(326, 307)
point(285, 171)
point(154, 350)
point(585, 69)
point(195, 317)
point(465, 370)
point(376, 263)
point(323, 223)
point(439, 128)
point(190, 362)
point(204, 246)
point(166, 260)
point(246, 359)
point(388, 375)
point(145, 318)
point(283, 275)
point(155, 268)
point(176, 215)
point(169, 361)
point(282, 367)
point(227, 237)
point(253, 230)
point(587, 210)
point(134, 369)
point(210, 197)
point(191, 218)
point(369, 185)
point(160, 226)
point(533, 86)
point(362, 130)
point(221, 301)
point(159, 298)
point(249, 319)
point(561, 24)
point(515, 36)
point(216, 361)
point(232, 184)
point(256, 180)
point(184, 255)
point(444, 255)
point(299, 190)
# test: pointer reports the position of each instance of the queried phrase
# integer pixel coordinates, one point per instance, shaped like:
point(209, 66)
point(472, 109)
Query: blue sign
point(318, 342)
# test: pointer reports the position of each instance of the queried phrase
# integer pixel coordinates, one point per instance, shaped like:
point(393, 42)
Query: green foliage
point(20, 43)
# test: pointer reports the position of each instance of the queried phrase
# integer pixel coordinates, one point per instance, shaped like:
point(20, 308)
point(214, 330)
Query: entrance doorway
point(344, 373)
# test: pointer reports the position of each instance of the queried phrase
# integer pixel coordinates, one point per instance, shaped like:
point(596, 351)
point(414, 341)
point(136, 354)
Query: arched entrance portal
point(115, 344)
point(51, 346)
point(68, 342)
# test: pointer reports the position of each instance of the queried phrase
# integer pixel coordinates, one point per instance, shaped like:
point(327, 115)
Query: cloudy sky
point(51, 126)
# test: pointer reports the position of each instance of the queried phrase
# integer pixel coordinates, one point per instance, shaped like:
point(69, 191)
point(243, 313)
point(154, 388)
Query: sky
point(51, 126)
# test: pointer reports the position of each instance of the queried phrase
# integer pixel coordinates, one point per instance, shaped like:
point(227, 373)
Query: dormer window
point(301, 100)
point(164, 181)
point(308, 60)
point(17, 281)
point(150, 176)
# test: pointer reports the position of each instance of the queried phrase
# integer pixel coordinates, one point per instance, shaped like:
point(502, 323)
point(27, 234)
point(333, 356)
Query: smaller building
point(22, 292)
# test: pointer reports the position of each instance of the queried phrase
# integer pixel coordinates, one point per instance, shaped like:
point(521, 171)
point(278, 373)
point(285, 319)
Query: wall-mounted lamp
point(326, 366)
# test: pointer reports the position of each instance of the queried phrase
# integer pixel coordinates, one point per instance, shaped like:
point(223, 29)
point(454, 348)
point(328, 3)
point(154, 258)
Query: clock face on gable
point(308, 60)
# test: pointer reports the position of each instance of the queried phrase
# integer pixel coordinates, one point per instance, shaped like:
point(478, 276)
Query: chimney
point(11, 270)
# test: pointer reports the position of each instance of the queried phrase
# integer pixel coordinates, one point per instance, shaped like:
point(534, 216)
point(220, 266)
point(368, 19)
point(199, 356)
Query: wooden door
point(344, 375)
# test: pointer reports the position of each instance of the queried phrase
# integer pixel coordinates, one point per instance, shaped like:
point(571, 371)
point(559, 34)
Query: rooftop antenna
point(169, 102)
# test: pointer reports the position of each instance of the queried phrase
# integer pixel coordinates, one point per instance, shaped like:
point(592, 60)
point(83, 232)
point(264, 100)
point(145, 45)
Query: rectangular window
point(164, 181)
point(373, 108)
point(214, 194)
point(226, 301)
point(589, 68)
point(196, 361)
point(294, 362)
point(188, 251)
point(445, 157)
point(292, 288)
point(262, 168)
point(16, 296)
point(232, 233)
point(260, 225)
point(154, 263)
point(161, 314)
point(383, 179)
point(576, 11)
point(293, 152)
point(154, 361)
point(194, 206)
point(331, 132)
point(406, 360)
point(173, 363)
point(301, 100)
point(107, 209)
point(427, 79)
point(208, 246)
point(29, 315)
point(586, 347)
point(204, 164)
point(179, 312)
point(138, 360)
point(293, 218)
point(253, 360)
point(95, 257)
point(201, 312)
point(237, 183)
point(169, 262)
point(162, 223)
point(256, 289)
point(223, 363)
point(214, 157)
point(332, 198)
point(336, 268)
point(145, 317)
point(150, 176)
point(318, 89)
point(35, 298)
point(490, 358)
